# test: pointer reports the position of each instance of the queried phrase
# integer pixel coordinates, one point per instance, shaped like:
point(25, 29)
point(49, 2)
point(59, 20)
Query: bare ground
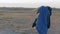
point(20, 23)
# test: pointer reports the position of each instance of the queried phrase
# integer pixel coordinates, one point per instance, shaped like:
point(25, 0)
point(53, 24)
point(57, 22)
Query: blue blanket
point(42, 20)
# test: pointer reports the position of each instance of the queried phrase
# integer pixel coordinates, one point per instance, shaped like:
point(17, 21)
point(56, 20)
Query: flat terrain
point(19, 21)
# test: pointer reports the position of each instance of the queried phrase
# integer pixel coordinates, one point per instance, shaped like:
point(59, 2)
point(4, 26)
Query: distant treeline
point(21, 9)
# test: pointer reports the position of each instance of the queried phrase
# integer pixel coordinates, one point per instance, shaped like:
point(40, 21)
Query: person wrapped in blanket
point(42, 22)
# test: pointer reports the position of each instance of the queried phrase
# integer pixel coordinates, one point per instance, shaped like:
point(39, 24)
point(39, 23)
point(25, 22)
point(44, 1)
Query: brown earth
point(21, 22)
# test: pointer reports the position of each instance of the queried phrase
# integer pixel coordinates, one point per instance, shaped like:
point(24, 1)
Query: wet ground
point(20, 21)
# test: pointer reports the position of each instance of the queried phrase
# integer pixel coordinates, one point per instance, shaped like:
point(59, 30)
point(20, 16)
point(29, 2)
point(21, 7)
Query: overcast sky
point(29, 3)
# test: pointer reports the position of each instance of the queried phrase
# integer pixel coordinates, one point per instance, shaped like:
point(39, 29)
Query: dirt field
point(19, 21)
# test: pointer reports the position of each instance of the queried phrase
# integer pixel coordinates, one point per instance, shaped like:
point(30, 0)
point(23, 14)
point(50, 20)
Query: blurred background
point(19, 21)
point(17, 16)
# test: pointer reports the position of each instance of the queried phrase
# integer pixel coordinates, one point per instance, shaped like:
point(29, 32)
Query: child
point(43, 20)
